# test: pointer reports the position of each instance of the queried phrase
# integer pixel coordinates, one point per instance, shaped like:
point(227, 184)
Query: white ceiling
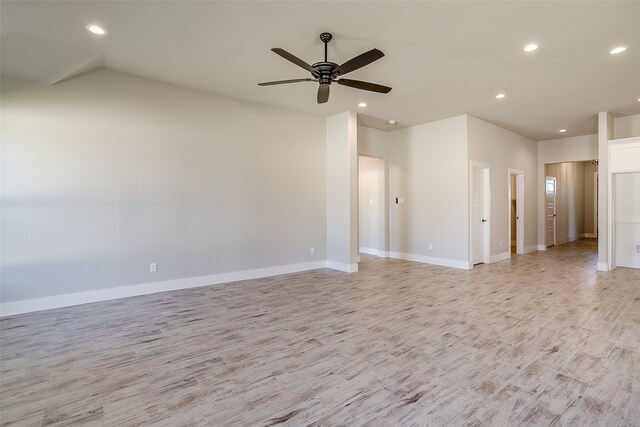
point(442, 58)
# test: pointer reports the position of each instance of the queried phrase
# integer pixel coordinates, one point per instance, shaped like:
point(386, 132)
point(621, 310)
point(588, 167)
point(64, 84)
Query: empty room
point(239, 213)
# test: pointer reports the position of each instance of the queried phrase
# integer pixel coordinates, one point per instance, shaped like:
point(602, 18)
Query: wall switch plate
point(312, 251)
point(638, 248)
point(430, 246)
point(153, 267)
point(500, 243)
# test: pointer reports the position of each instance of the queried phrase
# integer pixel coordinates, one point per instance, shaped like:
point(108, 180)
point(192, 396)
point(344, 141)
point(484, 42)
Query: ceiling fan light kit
point(324, 72)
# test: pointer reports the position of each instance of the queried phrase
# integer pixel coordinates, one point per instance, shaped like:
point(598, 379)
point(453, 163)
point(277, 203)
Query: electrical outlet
point(153, 267)
point(312, 251)
point(638, 248)
point(430, 246)
point(500, 243)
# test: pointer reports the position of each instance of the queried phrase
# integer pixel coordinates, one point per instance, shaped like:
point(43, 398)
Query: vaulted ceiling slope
point(442, 58)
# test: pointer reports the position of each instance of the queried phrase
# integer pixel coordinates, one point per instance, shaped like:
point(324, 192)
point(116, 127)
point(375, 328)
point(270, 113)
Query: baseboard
point(603, 266)
point(530, 249)
point(627, 262)
point(569, 239)
point(445, 262)
point(347, 268)
point(590, 235)
point(542, 247)
point(66, 300)
point(376, 252)
point(499, 257)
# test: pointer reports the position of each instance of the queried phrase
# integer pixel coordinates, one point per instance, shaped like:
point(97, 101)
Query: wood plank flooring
point(542, 339)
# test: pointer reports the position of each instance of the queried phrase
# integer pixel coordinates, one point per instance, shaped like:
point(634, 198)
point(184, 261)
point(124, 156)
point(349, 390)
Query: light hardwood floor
point(542, 339)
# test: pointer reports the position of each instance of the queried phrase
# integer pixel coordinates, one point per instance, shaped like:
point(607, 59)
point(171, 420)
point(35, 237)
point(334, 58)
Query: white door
point(550, 210)
point(477, 216)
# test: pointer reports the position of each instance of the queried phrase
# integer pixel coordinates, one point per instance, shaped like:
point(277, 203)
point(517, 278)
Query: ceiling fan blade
point(281, 82)
point(290, 57)
point(364, 85)
point(323, 93)
point(359, 62)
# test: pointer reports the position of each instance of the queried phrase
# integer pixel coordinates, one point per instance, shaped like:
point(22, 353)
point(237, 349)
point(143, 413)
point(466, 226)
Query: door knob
point(484, 220)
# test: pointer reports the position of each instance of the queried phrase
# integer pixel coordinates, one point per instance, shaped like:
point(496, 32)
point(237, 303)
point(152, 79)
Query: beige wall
point(428, 168)
point(626, 126)
point(504, 150)
point(106, 173)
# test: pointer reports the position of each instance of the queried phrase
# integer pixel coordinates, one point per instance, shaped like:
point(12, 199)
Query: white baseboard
point(499, 257)
point(376, 252)
point(66, 300)
point(603, 266)
point(347, 268)
point(530, 249)
point(590, 235)
point(627, 262)
point(445, 262)
point(542, 247)
point(569, 239)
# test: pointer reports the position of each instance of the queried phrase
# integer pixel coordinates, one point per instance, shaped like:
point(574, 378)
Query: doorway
point(371, 206)
point(516, 211)
point(480, 208)
point(550, 210)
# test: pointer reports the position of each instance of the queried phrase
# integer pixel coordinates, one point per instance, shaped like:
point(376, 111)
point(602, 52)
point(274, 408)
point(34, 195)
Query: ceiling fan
point(326, 72)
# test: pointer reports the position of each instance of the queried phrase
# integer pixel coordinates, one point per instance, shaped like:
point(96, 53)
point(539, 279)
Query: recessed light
point(362, 104)
point(530, 47)
point(618, 49)
point(500, 95)
point(562, 130)
point(392, 122)
point(95, 29)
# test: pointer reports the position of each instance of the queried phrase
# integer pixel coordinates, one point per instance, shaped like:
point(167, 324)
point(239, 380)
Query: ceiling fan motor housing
point(325, 71)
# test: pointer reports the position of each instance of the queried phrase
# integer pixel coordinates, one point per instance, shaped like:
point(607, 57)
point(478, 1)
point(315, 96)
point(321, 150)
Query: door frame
point(486, 208)
point(555, 210)
point(519, 174)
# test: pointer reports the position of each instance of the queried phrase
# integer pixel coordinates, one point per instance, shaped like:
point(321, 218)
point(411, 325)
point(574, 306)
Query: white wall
point(428, 167)
point(514, 193)
point(605, 134)
point(570, 200)
point(375, 143)
point(589, 199)
point(627, 212)
point(626, 127)
point(371, 205)
point(105, 173)
point(503, 149)
point(561, 150)
point(342, 191)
